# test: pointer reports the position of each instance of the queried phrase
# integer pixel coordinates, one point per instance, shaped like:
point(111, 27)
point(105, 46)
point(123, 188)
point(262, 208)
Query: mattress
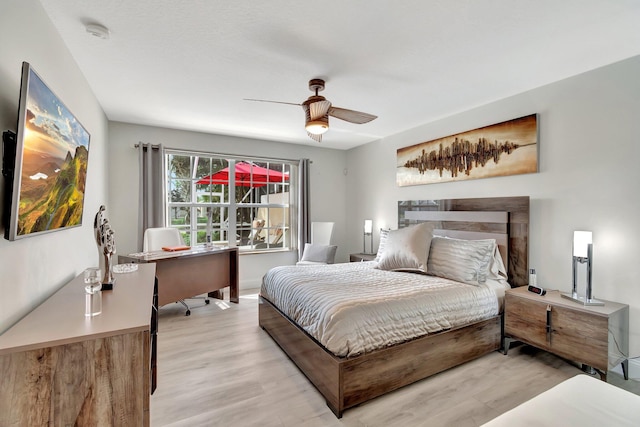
point(354, 308)
point(579, 401)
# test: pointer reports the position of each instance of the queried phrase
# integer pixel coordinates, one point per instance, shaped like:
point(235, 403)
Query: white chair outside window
point(157, 238)
point(320, 250)
point(256, 231)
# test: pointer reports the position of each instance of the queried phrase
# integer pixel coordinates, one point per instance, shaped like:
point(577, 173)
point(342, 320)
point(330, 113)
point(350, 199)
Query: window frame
point(230, 225)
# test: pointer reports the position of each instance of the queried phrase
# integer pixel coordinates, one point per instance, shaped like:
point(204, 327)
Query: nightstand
point(361, 257)
point(597, 336)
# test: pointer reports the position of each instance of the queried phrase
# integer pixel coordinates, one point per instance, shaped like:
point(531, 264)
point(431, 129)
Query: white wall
point(328, 185)
point(33, 268)
point(589, 178)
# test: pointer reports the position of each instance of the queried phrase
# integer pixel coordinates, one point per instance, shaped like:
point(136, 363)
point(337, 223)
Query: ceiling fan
point(317, 111)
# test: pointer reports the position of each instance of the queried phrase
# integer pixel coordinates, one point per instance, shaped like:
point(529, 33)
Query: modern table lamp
point(582, 254)
point(368, 231)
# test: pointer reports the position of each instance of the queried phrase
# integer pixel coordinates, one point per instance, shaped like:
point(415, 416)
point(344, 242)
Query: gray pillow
point(407, 249)
point(319, 253)
point(465, 261)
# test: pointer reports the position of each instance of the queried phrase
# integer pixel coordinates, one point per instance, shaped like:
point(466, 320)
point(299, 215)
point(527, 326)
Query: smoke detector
point(98, 30)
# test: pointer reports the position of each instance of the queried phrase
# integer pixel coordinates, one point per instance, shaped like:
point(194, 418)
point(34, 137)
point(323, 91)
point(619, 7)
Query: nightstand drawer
point(361, 257)
point(577, 333)
point(526, 320)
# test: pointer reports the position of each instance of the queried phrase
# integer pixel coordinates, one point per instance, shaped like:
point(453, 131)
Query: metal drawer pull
point(549, 324)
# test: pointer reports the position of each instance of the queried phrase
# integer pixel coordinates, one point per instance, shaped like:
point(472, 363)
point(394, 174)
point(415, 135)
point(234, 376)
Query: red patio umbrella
point(247, 175)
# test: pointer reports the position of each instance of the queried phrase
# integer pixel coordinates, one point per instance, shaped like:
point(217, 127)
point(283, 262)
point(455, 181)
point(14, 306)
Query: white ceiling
point(189, 64)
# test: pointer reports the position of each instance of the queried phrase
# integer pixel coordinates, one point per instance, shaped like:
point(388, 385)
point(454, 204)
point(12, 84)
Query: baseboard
point(250, 284)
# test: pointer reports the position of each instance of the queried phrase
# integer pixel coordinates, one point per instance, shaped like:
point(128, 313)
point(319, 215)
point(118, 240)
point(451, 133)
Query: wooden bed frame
point(348, 381)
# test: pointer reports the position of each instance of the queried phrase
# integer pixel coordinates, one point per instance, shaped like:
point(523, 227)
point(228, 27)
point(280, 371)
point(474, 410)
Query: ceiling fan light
point(317, 127)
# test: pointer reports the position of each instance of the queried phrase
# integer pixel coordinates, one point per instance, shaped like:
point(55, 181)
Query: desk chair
point(157, 238)
point(320, 250)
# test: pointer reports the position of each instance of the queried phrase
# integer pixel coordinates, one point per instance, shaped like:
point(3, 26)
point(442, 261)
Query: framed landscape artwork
point(52, 151)
point(507, 148)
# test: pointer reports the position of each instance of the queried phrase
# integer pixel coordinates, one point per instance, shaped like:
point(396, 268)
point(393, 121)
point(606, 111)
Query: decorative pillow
point(407, 249)
point(325, 254)
point(497, 271)
point(384, 233)
point(465, 261)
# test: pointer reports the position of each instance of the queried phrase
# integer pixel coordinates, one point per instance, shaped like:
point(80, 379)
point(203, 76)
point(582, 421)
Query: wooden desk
point(184, 274)
point(62, 368)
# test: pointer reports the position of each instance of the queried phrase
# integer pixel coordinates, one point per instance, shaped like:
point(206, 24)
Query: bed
point(352, 373)
point(579, 401)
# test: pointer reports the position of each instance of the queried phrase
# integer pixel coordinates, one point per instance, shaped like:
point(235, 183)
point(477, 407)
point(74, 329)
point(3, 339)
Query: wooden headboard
point(505, 219)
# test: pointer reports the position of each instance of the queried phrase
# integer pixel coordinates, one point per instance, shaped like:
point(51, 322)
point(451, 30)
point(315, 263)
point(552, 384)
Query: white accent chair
point(320, 250)
point(157, 238)
point(322, 233)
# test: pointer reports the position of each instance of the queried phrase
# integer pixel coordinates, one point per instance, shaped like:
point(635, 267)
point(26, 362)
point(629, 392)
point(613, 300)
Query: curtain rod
point(233, 156)
point(187, 151)
point(153, 146)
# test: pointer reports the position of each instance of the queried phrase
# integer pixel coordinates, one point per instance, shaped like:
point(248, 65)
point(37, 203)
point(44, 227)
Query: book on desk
point(176, 248)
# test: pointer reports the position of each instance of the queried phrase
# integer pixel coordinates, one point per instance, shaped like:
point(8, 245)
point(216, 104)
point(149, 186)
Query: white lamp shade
point(581, 242)
point(368, 226)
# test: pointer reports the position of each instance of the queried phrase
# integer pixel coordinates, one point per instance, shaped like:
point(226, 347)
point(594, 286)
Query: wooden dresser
point(597, 336)
point(62, 368)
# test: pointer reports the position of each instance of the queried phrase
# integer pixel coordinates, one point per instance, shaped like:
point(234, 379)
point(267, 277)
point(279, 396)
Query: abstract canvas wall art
point(507, 148)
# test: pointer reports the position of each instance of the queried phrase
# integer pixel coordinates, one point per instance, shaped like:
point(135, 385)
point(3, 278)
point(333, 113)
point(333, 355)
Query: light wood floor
point(218, 368)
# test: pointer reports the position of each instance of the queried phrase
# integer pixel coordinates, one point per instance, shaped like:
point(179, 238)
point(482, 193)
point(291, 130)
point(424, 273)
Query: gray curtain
point(304, 226)
point(150, 203)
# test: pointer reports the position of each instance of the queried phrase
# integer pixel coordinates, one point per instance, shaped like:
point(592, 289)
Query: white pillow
point(384, 233)
point(407, 249)
point(465, 261)
point(497, 271)
point(319, 253)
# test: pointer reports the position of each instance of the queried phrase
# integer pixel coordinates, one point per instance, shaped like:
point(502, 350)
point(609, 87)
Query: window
point(250, 208)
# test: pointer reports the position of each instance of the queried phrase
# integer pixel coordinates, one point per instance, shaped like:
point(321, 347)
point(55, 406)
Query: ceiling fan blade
point(317, 138)
point(273, 102)
point(319, 109)
point(351, 116)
